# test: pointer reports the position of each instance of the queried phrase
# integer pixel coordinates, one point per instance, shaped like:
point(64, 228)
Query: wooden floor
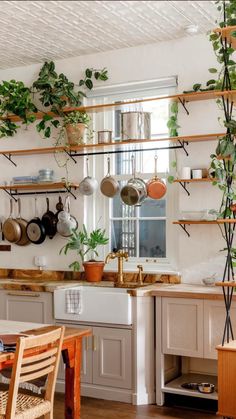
point(103, 409)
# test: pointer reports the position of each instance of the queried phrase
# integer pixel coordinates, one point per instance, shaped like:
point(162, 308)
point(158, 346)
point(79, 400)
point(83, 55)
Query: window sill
point(164, 268)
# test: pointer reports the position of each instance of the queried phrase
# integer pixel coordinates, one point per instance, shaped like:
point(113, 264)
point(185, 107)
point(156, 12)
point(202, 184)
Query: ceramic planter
point(75, 133)
point(93, 271)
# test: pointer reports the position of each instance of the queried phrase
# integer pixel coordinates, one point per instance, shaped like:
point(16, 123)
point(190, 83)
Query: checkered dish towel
point(74, 301)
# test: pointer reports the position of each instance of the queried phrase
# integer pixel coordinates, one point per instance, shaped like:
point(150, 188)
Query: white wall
point(189, 59)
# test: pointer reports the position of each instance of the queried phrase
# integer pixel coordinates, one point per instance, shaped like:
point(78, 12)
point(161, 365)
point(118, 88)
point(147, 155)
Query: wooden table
point(71, 352)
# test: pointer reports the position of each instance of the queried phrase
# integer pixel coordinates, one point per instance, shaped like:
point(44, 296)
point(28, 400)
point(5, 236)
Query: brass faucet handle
point(140, 276)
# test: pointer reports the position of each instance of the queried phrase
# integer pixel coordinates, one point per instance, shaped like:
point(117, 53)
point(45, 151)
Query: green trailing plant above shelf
point(76, 117)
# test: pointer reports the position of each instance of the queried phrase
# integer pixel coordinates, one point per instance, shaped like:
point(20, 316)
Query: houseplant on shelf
point(85, 244)
point(75, 124)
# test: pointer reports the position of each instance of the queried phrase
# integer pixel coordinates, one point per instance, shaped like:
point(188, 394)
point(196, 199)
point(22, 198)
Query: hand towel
point(74, 301)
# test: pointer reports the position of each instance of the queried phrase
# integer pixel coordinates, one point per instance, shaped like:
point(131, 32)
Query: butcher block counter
point(188, 291)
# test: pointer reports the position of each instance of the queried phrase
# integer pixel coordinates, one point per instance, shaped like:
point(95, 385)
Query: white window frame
point(97, 204)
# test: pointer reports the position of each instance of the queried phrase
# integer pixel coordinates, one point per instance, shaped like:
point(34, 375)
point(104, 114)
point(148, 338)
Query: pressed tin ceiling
point(33, 31)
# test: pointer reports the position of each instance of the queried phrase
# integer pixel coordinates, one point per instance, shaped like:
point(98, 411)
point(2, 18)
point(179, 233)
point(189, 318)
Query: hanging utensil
point(156, 188)
point(35, 229)
point(24, 241)
point(135, 191)
point(89, 184)
point(59, 206)
point(11, 228)
point(49, 221)
point(66, 222)
point(109, 185)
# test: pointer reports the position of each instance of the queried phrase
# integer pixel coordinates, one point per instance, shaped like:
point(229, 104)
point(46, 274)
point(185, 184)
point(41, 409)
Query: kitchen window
point(140, 230)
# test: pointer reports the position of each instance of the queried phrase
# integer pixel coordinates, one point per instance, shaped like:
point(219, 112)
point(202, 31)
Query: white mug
point(197, 173)
point(186, 173)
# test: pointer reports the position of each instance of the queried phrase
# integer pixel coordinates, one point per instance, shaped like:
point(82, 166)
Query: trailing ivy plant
point(15, 99)
point(56, 91)
point(173, 126)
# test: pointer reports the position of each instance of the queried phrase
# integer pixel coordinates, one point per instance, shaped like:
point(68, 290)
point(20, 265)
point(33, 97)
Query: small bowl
point(206, 388)
point(209, 281)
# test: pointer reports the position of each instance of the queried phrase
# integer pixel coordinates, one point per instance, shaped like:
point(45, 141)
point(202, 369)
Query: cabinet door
point(28, 306)
point(214, 320)
point(112, 357)
point(182, 326)
point(86, 359)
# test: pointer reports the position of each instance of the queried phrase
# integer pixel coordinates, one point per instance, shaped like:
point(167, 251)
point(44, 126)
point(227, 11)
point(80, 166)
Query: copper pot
point(156, 188)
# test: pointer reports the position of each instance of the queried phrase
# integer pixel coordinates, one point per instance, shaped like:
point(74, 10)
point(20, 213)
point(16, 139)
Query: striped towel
point(74, 301)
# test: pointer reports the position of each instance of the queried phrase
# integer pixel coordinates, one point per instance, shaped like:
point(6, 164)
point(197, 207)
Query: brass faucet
point(121, 256)
point(140, 276)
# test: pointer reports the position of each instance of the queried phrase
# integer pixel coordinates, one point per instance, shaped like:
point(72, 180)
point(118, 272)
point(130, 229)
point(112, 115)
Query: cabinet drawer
point(182, 326)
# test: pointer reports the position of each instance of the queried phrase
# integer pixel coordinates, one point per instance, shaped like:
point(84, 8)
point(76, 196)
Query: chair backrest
point(36, 356)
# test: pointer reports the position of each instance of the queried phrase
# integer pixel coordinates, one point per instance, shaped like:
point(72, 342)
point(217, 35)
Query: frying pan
point(35, 229)
point(23, 224)
point(156, 188)
point(135, 191)
point(11, 228)
point(109, 186)
point(49, 221)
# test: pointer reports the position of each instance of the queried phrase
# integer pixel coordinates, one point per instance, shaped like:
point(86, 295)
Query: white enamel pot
point(109, 185)
point(89, 184)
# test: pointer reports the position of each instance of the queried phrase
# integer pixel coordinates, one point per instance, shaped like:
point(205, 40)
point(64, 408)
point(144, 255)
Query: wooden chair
point(35, 357)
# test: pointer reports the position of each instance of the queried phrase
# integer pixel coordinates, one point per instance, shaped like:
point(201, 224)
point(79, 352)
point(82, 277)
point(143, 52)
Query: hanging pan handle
point(133, 166)
point(87, 166)
point(155, 166)
point(108, 166)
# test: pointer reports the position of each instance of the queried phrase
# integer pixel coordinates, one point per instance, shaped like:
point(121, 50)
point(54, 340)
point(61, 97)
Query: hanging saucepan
point(35, 229)
point(49, 221)
point(11, 228)
point(135, 191)
point(89, 184)
point(23, 224)
point(156, 188)
point(66, 222)
point(109, 186)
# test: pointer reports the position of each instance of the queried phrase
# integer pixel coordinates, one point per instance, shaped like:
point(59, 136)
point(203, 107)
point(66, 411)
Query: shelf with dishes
point(219, 221)
point(113, 147)
point(180, 386)
point(15, 190)
point(182, 98)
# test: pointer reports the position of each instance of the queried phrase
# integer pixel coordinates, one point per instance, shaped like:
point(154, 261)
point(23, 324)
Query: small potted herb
point(85, 244)
point(75, 124)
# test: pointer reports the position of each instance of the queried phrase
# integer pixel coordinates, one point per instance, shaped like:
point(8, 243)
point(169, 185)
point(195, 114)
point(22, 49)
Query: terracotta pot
point(75, 133)
point(93, 271)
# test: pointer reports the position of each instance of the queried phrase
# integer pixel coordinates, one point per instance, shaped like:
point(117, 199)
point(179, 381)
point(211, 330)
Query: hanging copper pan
point(156, 188)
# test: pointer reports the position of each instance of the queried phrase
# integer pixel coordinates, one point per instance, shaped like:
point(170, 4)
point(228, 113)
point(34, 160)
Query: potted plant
point(85, 245)
point(75, 124)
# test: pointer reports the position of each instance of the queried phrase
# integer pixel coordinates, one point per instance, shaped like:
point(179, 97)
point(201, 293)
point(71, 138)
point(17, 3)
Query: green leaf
point(89, 84)
point(196, 87)
point(47, 132)
point(212, 70)
point(209, 82)
point(233, 34)
point(88, 72)
point(170, 179)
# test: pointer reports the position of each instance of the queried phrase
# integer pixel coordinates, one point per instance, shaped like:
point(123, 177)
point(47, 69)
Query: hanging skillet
point(109, 185)
point(35, 229)
point(11, 229)
point(135, 191)
point(156, 188)
point(49, 221)
point(23, 224)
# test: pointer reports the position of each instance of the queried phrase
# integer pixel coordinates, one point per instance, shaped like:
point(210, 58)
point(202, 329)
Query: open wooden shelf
point(115, 144)
point(182, 97)
point(174, 386)
point(204, 179)
point(228, 284)
point(219, 221)
point(226, 34)
point(39, 186)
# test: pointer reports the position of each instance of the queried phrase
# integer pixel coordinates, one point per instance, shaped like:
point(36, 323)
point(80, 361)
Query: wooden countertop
point(188, 291)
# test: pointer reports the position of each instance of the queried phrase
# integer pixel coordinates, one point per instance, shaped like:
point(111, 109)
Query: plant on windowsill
point(85, 244)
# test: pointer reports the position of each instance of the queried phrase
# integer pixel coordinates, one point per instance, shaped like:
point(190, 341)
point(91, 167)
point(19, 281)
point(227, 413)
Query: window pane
point(153, 208)
point(152, 239)
point(123, 236)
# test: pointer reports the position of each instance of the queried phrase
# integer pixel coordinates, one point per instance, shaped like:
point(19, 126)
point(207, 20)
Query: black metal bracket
point(183, 145)
point(183, 184)
point(16, 193)
point(183, 226)
point(8, 157)
point(183, 103)
point(70, 155)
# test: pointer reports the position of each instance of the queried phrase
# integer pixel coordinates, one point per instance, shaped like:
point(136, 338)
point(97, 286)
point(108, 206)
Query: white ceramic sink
point(101, 305)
